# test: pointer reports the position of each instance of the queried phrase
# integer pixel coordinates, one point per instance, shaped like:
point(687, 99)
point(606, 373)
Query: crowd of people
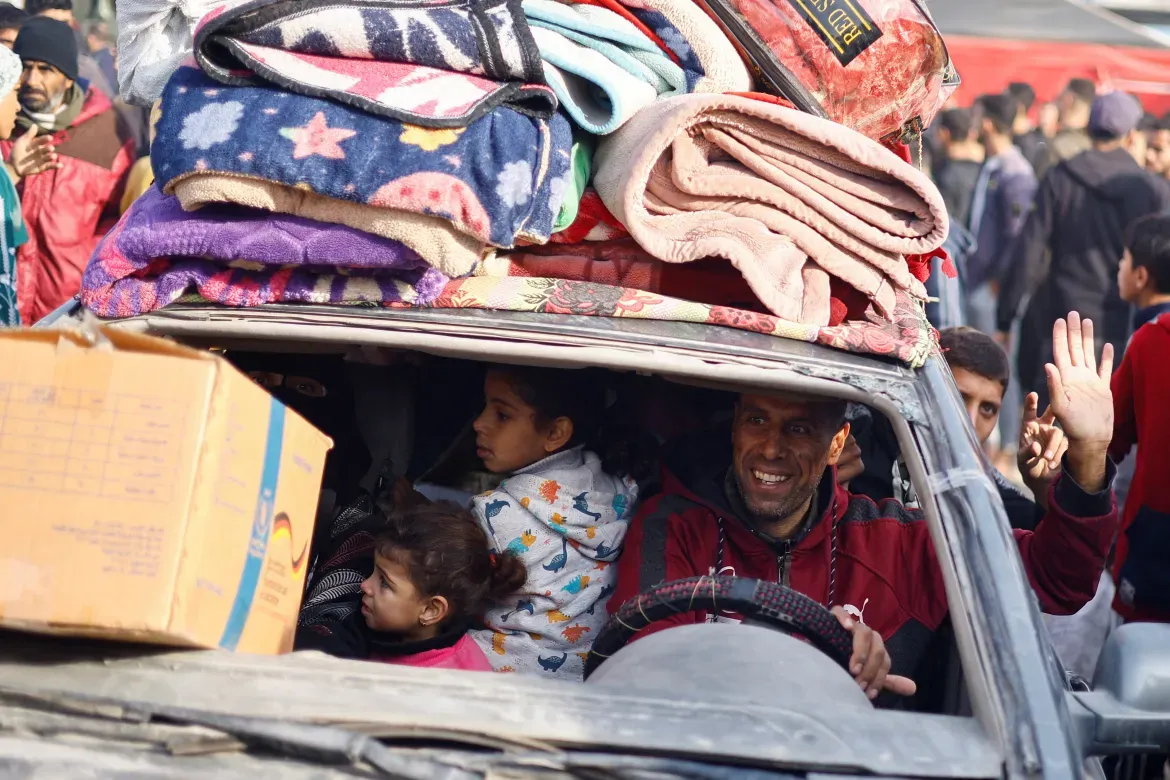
point(1057, 208)
point(68, 143)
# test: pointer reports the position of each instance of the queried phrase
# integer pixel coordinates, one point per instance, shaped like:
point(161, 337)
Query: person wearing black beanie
point(70, 202)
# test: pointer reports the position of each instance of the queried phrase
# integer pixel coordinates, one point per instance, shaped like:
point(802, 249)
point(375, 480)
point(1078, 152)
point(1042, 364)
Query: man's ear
point(434, 611)
point(560, 433)
point(1141, 276)
point(837, 445)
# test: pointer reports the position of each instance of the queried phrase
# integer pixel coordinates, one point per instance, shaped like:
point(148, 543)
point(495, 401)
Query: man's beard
point(39, 103)
point(786, 507)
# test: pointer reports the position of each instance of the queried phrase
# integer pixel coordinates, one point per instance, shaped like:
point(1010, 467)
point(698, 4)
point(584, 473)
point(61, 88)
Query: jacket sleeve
point(1027, 265)
point(1065, 555)
point(1125, 433)
point(345, 638)
point(657, 551)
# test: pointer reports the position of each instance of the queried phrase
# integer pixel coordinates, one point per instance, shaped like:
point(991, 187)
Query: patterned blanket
point(906, 336)
point(429, 64)
point(499, 179)
point(242, 257)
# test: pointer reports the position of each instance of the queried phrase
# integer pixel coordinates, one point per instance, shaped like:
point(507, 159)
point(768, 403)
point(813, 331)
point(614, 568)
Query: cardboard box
point(150, 492)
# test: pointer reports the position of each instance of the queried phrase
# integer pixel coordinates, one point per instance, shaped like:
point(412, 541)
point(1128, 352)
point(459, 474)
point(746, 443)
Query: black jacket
point(1071, 246)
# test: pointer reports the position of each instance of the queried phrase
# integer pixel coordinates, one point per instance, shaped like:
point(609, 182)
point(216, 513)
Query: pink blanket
point(788, 198)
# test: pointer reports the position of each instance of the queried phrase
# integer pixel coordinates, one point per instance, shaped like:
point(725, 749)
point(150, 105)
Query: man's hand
point(31, 155)
point(1042, 446)
point(870, 663)
point(1081, 399)
point(849, 465)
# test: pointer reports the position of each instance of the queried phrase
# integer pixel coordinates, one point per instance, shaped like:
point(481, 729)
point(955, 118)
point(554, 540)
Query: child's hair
point(446, 553)
point(1148, 242)
point(975, 351)
point(581, 395)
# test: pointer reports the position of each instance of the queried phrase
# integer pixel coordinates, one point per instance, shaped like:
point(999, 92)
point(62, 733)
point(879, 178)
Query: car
point(1001, 705)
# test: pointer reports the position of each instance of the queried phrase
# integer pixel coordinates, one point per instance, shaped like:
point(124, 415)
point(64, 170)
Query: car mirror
point(1128, 710)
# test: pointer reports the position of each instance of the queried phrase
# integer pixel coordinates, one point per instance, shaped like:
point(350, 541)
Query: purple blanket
point(241, 257)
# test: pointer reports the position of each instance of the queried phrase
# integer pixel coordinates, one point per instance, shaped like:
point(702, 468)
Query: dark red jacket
point(67, 211)
point(1141, 416)
point(885, 561)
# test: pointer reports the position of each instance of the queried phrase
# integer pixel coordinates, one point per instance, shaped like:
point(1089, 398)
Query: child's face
point(391, 603)
point(1129, 279)
point(507, 437)
point(983, 397)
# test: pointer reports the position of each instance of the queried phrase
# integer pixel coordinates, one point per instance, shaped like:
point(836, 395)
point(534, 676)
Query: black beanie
point(46, 40)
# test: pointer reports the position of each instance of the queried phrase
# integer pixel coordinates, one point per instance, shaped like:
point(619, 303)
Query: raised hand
point(1081, 400)
point(1042, 446)
point(32, 155)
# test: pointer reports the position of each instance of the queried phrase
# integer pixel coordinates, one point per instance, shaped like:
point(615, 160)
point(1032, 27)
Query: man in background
point(957, 172)
point(1074, 105)
point(1081, 212)
point(68, 208)
point(1031, 142)
point(11, 19)
point(1003, 198)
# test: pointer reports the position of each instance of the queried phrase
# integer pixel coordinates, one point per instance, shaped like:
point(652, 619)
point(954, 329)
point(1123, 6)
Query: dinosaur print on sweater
point(564, 517)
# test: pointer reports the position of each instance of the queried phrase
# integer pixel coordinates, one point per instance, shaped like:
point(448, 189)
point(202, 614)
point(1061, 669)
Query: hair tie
point(495, 561)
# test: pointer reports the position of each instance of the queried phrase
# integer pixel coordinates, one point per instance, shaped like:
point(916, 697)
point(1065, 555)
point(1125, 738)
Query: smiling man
point(764, 503)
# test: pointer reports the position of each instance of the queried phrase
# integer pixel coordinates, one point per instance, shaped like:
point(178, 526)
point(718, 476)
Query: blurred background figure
point(1074, 105)
point(957, 167)
point(11, 19)
point(1027, 136)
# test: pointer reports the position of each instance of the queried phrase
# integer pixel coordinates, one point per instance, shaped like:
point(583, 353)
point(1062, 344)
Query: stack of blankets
point(413, 153)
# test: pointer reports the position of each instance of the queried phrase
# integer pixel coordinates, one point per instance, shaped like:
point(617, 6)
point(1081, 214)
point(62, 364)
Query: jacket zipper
point(782, 563)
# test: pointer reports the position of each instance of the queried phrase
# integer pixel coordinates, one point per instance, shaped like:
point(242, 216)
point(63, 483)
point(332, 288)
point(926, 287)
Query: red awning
point(990, 64)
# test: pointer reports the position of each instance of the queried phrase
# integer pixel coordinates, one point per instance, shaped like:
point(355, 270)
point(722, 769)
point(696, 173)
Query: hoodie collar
point(1149, 314)
point(565, 460)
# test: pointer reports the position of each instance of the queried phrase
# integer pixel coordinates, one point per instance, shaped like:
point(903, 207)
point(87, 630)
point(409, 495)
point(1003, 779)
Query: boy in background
point(1141, 568)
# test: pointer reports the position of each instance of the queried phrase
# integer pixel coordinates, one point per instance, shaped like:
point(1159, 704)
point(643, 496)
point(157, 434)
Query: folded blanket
point(622, 263)
point(431, 65)
point(707, 56)
point(239, 257)
point(788, 198)
point(431, 238)
point(906, 336)
point(491, 180)
point(602, 67)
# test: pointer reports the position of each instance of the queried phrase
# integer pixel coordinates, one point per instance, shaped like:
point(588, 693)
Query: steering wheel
point(768, 603)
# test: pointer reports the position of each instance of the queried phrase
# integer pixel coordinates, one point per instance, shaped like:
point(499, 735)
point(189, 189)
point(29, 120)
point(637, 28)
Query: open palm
point(1081, 399)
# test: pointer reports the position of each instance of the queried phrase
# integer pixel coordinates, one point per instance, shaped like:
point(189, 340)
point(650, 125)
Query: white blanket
point(566, 519)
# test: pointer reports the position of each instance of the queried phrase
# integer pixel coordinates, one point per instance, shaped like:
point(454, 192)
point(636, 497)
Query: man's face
point(8, 36)
point(42, 87)
point(982, 397)
point(1158, 152)
point(780, 450)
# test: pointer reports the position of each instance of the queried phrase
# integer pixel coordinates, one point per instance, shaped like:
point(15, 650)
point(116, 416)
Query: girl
point(433, 573)
point(561, 510)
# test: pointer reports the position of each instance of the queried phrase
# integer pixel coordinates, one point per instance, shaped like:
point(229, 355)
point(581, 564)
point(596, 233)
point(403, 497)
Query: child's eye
point(385, 582)
point(502, 417)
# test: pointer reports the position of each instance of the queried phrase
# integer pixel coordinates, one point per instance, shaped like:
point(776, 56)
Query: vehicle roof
point(530, 335)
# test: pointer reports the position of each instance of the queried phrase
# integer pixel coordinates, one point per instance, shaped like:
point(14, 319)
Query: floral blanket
point(500, 178)
point(434, 65)
point(908, 337)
